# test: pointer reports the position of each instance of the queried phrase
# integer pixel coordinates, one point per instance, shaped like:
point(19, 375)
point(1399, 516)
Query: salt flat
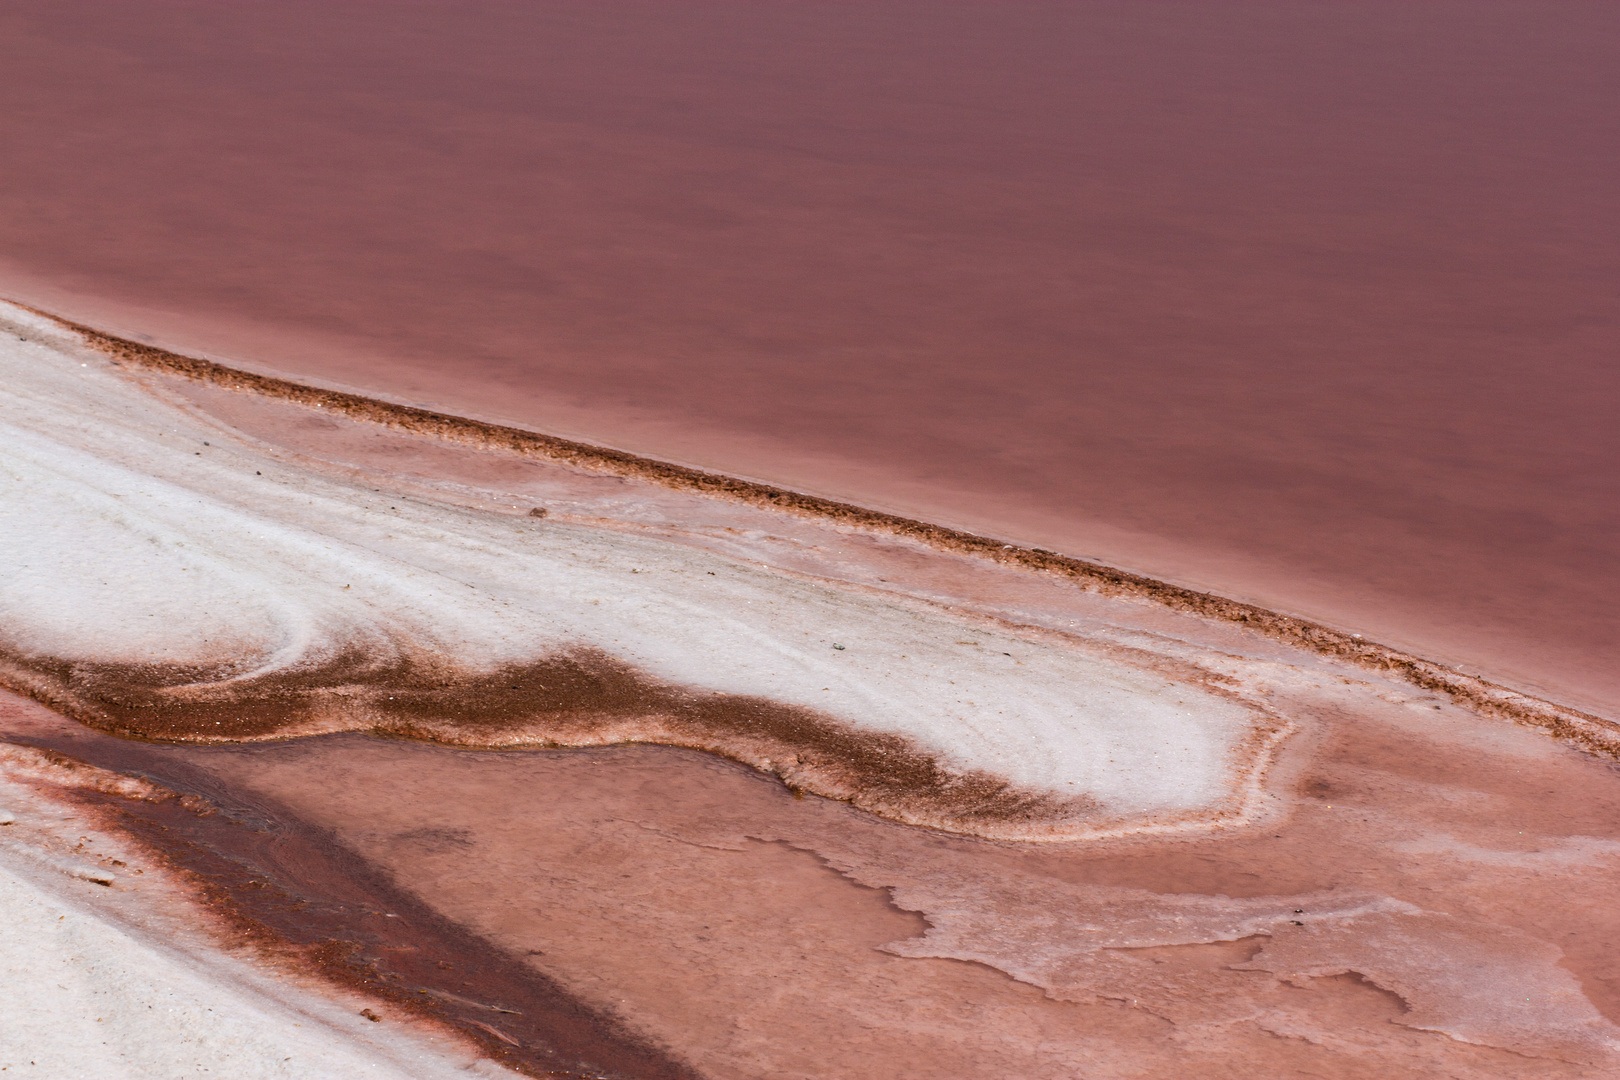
point(153, 549)
point(1262, 850)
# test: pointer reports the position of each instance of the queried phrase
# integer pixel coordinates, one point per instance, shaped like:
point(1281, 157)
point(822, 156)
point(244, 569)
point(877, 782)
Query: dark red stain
point(1325, 294)
point(289, 887)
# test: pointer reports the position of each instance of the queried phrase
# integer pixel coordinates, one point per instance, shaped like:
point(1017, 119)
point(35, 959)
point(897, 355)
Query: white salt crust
point(1473, 981)
point(1469, 980)
point(134, 531)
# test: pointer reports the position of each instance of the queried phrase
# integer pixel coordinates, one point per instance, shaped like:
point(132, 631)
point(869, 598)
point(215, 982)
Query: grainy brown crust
point(1592, 733)
point(578, 698)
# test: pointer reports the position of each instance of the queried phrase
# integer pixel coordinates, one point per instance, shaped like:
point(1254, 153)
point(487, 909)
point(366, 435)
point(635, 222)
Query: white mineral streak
point(1474, 981)
point(126, 538)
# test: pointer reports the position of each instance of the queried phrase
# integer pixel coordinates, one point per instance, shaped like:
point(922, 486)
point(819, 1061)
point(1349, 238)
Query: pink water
point(1314, 305)
point(1311, 304)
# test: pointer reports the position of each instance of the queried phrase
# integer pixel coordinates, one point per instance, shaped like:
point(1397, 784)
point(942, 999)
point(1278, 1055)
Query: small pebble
point(539, 511)
point(93, 874)
point(7, 817)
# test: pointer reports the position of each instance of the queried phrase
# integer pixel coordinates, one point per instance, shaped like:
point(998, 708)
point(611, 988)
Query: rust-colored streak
point(579, 698)
point(294, 892)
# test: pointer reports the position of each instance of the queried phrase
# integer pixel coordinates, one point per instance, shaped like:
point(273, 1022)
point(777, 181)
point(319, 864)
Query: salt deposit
point(152, 547)
point(197, 565)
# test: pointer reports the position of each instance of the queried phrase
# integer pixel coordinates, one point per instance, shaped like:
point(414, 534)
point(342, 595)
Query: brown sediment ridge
point(575, 699)
point(1592, 733)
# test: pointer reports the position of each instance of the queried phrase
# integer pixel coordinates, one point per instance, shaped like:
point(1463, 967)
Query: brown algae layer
point(578, 699)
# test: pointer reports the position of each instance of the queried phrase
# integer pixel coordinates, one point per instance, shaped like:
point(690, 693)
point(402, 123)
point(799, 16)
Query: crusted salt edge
point(45, 766)
point(1473, 981)
point(183, 569)
point(135, 543)
point(1591, 733)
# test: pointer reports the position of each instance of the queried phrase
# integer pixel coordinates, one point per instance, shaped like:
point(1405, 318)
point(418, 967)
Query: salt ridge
point(140, 534)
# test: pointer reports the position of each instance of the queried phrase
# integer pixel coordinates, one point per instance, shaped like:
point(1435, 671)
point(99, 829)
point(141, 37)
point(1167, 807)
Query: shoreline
point(295, 601)
point(699, 904)
point(1586, 730)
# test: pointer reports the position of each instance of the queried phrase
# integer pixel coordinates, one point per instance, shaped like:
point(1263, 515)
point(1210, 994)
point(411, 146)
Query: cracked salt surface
point(141, 534)
point(1473, 981)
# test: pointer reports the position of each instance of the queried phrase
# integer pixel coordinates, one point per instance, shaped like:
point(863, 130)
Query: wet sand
point(283, 890)
point(1310, 307)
